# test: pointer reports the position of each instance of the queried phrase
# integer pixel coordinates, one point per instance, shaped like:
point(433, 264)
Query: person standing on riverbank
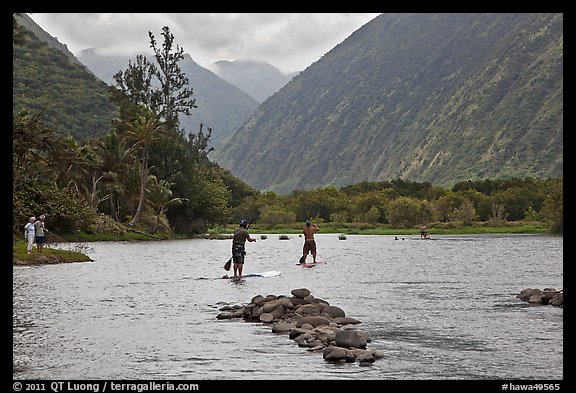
point(309, 242)
point(41, 231)
point(238, 247)
point(30, 233)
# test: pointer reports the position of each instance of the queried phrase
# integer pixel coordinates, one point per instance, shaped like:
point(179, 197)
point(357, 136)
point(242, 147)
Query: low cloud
point(289, 41)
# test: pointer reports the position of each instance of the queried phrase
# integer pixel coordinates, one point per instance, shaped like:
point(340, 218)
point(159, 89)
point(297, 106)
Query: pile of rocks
point(311, 322)
point(546, 296)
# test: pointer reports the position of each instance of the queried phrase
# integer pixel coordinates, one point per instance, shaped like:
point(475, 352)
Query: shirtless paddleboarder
point(309, 242)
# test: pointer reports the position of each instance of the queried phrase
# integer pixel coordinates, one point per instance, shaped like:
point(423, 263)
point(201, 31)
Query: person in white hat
point(30, 233)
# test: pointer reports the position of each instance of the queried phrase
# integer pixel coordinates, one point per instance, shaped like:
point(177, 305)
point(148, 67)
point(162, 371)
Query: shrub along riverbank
point(370, 229)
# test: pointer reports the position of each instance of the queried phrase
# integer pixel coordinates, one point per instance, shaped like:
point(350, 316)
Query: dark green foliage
point(143, 167)
point(64, 212)
point(437, 98)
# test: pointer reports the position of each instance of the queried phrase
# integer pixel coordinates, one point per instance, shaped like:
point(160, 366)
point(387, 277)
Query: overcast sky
point(289, 41)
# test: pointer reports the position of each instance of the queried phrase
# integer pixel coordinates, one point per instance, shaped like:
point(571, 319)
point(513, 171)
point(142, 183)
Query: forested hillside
point(74, 101)
point(441, 98)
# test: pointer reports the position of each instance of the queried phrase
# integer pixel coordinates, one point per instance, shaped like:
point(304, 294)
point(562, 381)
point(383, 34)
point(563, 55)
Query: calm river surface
point(443, 308)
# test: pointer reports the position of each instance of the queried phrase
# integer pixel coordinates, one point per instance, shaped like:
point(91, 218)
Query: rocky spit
point(545, 296)
point(311, 322)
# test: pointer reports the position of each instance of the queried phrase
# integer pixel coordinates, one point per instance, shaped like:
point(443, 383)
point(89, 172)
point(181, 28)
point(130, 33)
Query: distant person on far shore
point(30, 233)
point(41, 231)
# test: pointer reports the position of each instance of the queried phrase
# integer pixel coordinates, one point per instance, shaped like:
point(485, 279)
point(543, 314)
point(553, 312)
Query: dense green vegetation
point(399, 204)
point(146, 178)
point(143, 175)
point(73, 101)
point(427, 97)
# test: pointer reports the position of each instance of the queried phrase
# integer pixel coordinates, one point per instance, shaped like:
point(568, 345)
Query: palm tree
point(115, 158)
point(160, 197)
point(145, 130)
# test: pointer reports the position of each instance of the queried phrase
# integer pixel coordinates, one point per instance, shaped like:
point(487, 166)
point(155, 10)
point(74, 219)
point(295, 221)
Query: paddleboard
point(311, 263)
point(272, 273)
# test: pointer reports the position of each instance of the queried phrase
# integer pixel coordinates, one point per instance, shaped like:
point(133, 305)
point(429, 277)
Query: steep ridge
point(440, 98)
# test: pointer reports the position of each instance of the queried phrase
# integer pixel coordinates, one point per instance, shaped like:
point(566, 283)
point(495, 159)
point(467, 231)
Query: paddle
point(229, 263)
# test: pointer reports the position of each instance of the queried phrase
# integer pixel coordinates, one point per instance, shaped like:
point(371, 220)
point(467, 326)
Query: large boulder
point(350, 339)
point(526, 293)
point(548, 294)
point(308, 310)
point(558, 300)
point(314, 321)
point(346, 321)
point(266, 317)
point(300, 292)
point(333, 311)
point(337, 354)
point(283, 327)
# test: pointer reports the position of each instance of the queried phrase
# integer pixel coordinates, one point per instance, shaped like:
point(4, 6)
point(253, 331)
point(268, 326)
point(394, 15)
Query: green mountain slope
point(27, 22)
point(440, 98)
point(75, 101)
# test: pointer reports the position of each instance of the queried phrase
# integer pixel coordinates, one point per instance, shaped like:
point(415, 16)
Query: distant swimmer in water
point(423, 233)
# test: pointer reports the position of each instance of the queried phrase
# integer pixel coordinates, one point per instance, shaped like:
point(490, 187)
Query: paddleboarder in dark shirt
point(238, 242)
point(309, 242)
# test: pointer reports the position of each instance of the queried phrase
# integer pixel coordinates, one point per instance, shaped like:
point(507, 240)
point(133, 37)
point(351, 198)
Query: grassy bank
point(48, 256)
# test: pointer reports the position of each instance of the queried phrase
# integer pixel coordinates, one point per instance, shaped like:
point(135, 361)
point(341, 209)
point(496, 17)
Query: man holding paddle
point(238, 247)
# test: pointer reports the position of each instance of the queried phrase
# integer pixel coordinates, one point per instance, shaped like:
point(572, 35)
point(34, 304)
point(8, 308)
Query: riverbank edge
point(53, 256)
point(49, 256)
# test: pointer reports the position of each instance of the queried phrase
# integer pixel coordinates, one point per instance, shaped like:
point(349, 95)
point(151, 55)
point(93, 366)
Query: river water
point(439, 309)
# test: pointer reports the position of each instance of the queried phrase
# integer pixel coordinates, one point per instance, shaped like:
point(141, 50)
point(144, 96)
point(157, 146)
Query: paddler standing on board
point(238, 250)
point(309, 242)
